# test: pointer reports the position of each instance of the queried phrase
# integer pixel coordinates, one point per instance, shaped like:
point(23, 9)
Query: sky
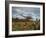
point(19, 12)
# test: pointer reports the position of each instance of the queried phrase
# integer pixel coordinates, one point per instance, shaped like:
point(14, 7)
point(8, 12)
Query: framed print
point(24, 18)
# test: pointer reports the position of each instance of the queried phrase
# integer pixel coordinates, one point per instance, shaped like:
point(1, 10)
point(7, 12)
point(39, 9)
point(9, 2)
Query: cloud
point(19, 12)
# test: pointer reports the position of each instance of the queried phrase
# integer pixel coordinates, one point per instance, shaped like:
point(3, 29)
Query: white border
point(25, 32)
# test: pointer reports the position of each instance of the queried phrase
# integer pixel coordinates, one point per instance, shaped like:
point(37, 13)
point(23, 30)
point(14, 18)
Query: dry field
point(27, 25)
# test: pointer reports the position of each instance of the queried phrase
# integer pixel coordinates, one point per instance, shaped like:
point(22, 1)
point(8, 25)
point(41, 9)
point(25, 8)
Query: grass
point(25, 25)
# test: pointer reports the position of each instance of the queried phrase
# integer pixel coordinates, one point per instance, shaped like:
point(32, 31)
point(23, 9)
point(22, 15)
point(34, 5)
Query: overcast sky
point(25, 11)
